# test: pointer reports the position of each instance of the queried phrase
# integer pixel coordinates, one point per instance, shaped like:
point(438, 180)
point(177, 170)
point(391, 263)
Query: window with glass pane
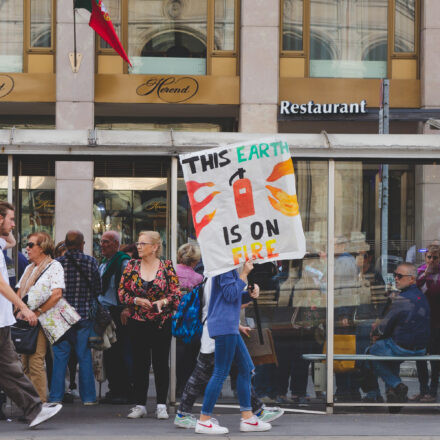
point(41, 23)
point(293, 25)
point(404, 26)
point(224, 38)
point(167, 37)
point(348, 38)
point(11, 36)
point(374, 229)
point(114, 9)
point(128, 206)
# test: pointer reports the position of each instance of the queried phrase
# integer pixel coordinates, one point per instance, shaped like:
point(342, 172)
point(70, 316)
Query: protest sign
point(244, 204)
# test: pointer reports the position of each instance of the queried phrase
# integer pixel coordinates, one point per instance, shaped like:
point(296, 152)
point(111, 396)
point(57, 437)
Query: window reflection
point(348, 38)
point(41, 23)
point(224, 25)
point(293, 25)
point(11, 36)
point(114, 9)
point(167, 37)
point(405, 17)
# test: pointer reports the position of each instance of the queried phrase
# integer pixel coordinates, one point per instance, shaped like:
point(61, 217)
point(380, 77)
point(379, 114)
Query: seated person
point(404, 331)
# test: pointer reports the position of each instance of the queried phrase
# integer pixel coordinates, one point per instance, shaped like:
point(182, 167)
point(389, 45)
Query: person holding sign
point(223, 322)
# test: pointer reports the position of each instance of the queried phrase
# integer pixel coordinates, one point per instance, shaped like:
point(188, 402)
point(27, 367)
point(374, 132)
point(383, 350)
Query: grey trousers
point(12, 379)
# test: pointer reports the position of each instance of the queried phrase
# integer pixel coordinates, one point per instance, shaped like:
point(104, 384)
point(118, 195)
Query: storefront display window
point(167, 37)
point(11, 36)
point(348, 39)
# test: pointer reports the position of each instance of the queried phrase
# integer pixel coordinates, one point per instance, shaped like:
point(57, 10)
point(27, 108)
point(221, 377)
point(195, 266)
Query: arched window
point(168, 37)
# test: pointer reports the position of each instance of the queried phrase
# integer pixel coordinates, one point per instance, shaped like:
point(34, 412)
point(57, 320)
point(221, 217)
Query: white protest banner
point(244, 204)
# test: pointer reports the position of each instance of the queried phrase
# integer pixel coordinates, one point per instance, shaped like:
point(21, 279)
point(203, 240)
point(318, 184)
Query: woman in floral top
point(151, 288)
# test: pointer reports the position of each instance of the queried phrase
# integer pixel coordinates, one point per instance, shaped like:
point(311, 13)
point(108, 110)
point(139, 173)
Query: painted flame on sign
point(281, 201)
point(192, 187)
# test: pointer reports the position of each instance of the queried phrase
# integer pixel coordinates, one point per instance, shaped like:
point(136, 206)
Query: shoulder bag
point(23, 335)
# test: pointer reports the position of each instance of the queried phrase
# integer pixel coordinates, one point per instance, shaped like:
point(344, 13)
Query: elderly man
point(83, 283)
point(111, 269)
point(404, 331)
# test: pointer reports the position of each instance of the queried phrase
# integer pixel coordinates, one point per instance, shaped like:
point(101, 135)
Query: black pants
point(150, 343)
point(114, 360)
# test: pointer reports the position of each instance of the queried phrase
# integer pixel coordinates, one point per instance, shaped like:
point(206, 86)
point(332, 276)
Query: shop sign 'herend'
point(170, 89)
point(6, 85)
point(312, 108)
point(244, 204)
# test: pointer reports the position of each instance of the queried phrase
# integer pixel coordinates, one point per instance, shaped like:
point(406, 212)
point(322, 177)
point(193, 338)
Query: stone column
point(74, 91)
point(74, 200)
point(428, 176)
point(259, 69)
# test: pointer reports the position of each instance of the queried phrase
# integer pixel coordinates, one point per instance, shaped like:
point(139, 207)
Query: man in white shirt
point(12, 379)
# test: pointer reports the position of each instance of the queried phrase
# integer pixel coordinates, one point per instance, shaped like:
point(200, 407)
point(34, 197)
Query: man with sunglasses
point(428, 281)
point(404, 331)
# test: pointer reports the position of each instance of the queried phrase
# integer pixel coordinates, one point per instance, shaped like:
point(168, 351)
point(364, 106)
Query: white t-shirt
point(207, 344)
point(52, 278)
point(6, 315)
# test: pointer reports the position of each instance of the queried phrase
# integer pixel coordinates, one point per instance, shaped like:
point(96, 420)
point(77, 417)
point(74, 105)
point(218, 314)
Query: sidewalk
point(109, 422)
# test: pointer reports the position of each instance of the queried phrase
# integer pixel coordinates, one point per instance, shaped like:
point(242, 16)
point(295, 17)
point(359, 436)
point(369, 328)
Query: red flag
point(100, 22)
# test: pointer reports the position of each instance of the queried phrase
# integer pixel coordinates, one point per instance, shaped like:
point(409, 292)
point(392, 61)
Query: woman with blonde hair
point(151, 288)
point(41, 274)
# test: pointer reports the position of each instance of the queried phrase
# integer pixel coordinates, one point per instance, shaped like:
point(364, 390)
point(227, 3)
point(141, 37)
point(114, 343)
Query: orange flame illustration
point(283, 202)
point(193, 186)
point(281, 169)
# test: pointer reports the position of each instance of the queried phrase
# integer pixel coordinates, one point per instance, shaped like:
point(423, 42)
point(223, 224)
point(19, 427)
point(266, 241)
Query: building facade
point(93, 144)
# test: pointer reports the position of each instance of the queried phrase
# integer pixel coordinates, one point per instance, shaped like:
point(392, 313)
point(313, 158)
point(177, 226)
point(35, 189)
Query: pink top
point(188, 277)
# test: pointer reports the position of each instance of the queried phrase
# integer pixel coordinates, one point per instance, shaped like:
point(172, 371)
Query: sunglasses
point(432, 257)
point(30, 245)
point(399, 276)
point(142, 244)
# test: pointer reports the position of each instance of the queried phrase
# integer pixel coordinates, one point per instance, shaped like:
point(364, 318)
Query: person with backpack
point(223, 321)
point(202, 372)
point(150, 287)
point(188, 256)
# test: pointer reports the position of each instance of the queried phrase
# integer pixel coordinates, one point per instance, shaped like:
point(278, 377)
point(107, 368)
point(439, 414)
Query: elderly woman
point(188, 255)
point(42, 273)
point(151, 288)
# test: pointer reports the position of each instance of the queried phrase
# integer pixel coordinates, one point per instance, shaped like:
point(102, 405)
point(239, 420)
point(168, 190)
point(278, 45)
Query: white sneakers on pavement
point(137, 412)
point(270, 413)
point(210, 427)
point(254, 424)
point(161, 411)
point(47, 411)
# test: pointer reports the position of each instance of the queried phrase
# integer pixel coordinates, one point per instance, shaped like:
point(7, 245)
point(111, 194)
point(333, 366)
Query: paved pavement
point(109, 422)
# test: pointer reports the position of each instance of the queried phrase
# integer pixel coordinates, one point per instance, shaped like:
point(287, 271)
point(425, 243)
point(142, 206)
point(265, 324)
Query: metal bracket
point(92, 138)
point(75, 69)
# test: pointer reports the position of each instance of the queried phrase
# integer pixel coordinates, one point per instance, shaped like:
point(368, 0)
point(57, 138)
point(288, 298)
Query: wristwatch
point(39, 310)
point(135, 298)
point(165, 301)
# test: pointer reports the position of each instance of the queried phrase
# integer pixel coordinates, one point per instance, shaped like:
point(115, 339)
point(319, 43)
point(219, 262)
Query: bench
point(369, 357)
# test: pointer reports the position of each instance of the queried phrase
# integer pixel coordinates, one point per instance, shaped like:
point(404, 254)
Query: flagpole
point(74, 35)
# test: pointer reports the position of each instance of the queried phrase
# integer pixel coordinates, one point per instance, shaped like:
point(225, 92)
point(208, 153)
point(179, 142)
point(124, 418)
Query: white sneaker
point(210, 426)
point(270, 413)
point(254, 424)
point(47, 411)
point(137, 412)
point(161, 411)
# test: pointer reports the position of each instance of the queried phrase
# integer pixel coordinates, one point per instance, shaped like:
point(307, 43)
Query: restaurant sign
point(312, 108)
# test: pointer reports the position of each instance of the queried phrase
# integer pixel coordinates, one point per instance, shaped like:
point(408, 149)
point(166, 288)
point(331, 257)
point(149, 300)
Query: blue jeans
point(77, 336)
point(389, 370)
point(229, 348)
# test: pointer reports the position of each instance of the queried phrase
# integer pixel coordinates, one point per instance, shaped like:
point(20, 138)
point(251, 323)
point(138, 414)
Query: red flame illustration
point(196, 206)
